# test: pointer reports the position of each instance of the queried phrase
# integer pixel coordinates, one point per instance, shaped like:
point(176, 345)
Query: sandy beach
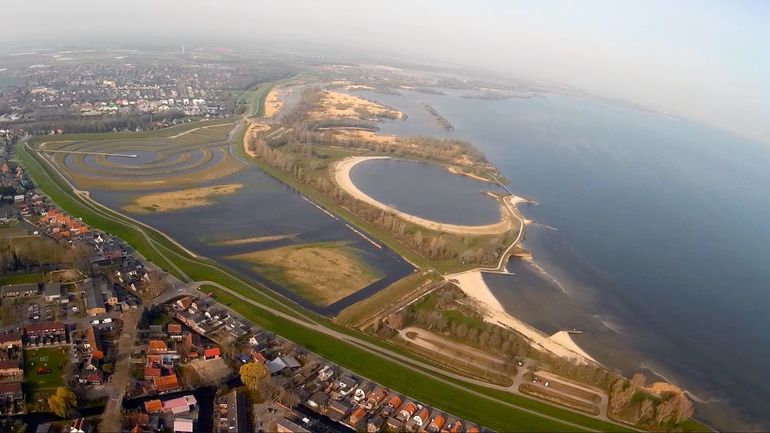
point(274, 102)
point(560, 344)
point(341, 174)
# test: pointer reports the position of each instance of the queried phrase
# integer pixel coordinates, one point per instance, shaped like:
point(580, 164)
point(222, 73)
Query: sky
point(705, 60)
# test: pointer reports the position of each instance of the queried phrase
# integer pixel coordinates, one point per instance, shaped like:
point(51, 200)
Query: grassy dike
point(420, 385)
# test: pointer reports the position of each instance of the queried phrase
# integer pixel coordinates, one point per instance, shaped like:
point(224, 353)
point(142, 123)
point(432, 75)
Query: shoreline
point(341, 176)
point(560, 343)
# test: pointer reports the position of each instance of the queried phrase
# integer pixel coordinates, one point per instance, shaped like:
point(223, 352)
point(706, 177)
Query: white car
point(107, 320)
point(95, 322)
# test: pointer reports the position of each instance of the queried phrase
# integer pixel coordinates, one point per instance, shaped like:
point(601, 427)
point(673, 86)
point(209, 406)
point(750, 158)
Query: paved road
point(121, 376)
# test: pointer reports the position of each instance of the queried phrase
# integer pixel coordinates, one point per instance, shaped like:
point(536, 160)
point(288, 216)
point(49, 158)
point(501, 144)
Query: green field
point(50, 358)
point(21, 278)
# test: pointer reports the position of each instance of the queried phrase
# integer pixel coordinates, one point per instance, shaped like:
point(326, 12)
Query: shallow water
point(427, 191)
point(262, 207)
point(661, 233)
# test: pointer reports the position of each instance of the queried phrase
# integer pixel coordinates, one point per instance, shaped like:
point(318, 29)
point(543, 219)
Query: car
point(546, 383)
point(107, 320)
point(95, 322)
point(75, 309)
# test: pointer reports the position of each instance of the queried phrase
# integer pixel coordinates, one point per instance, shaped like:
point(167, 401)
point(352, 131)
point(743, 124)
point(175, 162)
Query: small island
point(440, 120)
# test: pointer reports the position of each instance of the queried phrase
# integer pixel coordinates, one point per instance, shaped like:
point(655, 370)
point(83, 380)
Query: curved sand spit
point(560, 343)
point(341, 173)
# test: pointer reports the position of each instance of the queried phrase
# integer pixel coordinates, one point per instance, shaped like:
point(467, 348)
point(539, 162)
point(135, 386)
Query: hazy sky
point(703, 59)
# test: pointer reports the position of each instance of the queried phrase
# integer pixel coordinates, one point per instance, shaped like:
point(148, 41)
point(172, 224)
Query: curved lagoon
point(427, 191)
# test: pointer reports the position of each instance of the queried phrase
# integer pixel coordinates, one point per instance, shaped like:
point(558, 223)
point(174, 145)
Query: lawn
point(52, 359)
point(21, 278)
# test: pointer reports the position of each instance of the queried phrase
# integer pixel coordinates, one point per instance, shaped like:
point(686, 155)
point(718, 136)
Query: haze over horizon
point(701, 60)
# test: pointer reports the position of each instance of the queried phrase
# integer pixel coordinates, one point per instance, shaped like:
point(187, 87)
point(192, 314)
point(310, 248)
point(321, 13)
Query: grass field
point(21, 278)
point(53, 359)
point(322, 273)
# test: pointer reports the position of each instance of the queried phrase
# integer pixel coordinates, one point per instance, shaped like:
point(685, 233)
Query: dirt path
point(435, 343)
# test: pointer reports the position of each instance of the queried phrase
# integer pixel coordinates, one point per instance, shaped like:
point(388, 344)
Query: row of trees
point(28, 254)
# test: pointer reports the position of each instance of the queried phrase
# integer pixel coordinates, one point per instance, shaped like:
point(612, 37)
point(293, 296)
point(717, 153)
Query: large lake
point(654, 233)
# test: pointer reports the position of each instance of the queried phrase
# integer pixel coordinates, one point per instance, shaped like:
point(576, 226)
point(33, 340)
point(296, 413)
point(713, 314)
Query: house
point(180, 404)
point(52, 291)
point(236, 412)
point(174, 330)
point(418, 420)
point(10, 368)
point(375, 398)
point(472, 429)
point(153, 406)
point(337, 410)
point(212, 353)
point(393, 424)
point(283, 425)
point(457, 427)
point(436, 424)
point(93, 377)
point(357, 416)
point(157, 346)
point(375, 424)
point(94, 343)
point(325, 373)
point(347, 384)
point(183, 425)
point(11, 391)
point(9, 340)
point(281, 363)
point(109, 295)
point(94, 297)
point(20, 290)
point(406, 411)
point(318, 401)
point(45, 333)
point(393, 402)
point(165, 383)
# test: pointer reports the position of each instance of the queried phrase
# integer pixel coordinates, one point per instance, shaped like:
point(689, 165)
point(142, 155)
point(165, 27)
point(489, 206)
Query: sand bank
point(274, 102)
point(341, 175)
point(560, 344)
point(177, 200)
point(336, 105)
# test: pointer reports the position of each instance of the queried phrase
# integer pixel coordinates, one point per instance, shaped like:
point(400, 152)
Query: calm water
point(428, 191)
point(656, 229)
point(263, 207)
